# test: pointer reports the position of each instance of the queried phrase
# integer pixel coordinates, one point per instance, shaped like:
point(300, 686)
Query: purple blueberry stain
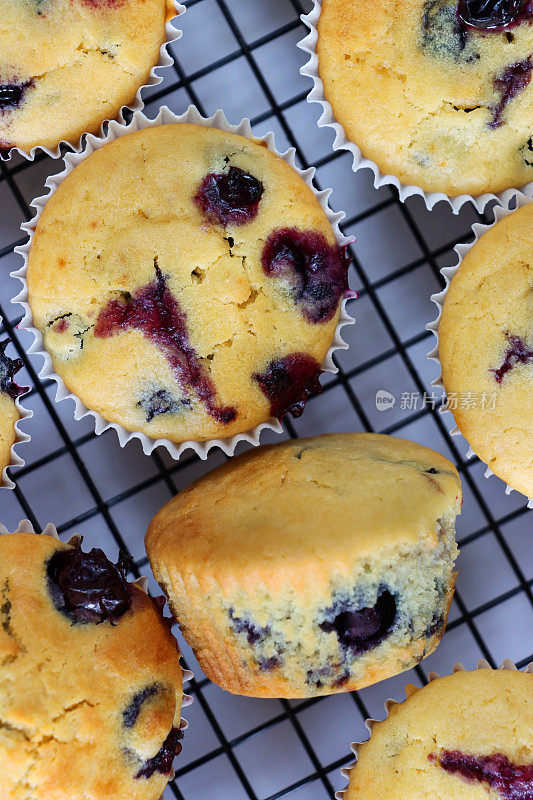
point(255, 634)
point(316, 271)
point(87, 587)
point(494, 16)
point(361, 629)
point(8, 369)
point(153, 310)
point(517, 352)
point(510, 82)
point(288, 382)
point(443, 35)
point(511, 781)
point(12, 95)
point(230, 197)
point(161, 401)
point(163, 760)
point(131, 713)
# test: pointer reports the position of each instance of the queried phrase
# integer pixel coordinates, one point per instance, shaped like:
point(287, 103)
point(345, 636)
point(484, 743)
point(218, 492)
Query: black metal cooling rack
point(497, 523)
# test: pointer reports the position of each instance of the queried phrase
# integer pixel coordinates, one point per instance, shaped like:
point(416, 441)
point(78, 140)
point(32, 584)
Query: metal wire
point(13, 174)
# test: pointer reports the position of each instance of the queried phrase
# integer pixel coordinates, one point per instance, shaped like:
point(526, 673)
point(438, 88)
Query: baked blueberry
point(161, 401)
point(288, 382)
point(518, 352)
point(254, 633)
point(364, 628)
point(162, 761)
point(87, 587)
point(12, 94)
point(316, 271)
point(511, 781)
point(132, 711)
point(494, 15)
point(8, 369)
point(154, 310)
point(508, 84)
point(229, 197)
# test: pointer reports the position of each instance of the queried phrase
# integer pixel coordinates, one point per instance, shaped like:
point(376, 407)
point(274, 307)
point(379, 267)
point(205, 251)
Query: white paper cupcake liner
point(172, 34)
point(369, 723)
point(116, 130)
point(25, 526)
point(438, 298)
point(341, 142)
point(21, 437)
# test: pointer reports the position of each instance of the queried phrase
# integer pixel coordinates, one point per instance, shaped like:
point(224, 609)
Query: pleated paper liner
point(369, 723)
point(341, 142)
point(438, 298)
point(116, 130)
point(172, 34)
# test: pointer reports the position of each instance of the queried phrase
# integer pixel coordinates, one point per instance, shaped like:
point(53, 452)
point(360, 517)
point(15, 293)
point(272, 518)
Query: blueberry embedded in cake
point(8, 369)
point(510, 781)
point(230, 197)
point(315, 271)
point(494, 15)
point(155, 312)
point(510, 82)
point(517, 352)
point(288, 382)
point(12, 95)
point(87, 587)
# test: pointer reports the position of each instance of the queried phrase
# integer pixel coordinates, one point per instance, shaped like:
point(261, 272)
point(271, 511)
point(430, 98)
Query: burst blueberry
point(510, 781)
point(87, 587)
point(8, 369)
point(494, 15)
point(229, 197)
point(288, 382)
point(359, 630)
point(316, 271)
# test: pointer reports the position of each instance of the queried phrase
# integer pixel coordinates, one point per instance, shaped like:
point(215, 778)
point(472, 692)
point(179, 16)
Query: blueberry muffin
point(90, 681)
point(9, 414)
point(67, 65)
point(314, 566)
point(464, 737)
point(437, 92)
point(198, 295)
point(486, 348)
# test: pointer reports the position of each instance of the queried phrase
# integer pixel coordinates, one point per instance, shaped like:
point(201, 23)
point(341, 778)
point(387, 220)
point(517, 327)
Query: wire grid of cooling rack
point(241, 55)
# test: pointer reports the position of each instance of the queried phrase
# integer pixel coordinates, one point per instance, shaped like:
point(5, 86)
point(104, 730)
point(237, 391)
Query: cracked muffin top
point(195, 297)
point(463, 737)
point(66, 65)
point(90, 682)
point(436, 92)
point(275, 511)
point(9, 414)
point(486, 348)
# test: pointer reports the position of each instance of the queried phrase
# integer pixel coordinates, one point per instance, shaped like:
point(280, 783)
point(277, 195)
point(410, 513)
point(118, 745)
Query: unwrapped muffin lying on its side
point(314, 566)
